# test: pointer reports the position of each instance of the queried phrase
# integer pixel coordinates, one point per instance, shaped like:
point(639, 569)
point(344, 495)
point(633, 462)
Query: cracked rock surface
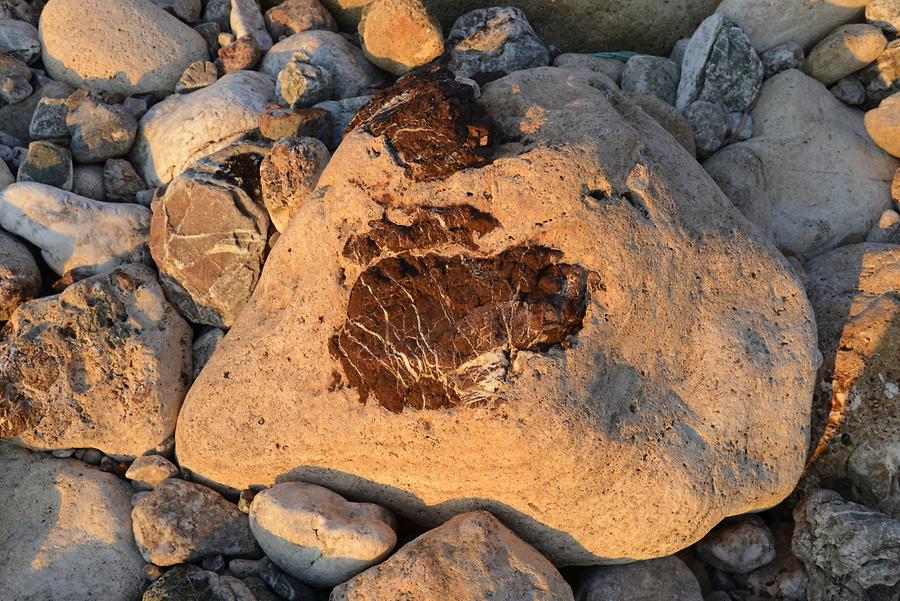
point(105, 365)
point(208, 239)
point(567, 249)
point(318, 536)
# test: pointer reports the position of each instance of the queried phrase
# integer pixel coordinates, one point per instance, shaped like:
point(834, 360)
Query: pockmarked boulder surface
point(117, 46)
point(185, 127)
point(809, 187)
point(65, 531)
point(104, 365)
point(557, 320)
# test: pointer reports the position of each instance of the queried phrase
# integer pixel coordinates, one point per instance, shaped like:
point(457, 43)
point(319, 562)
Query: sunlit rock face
point(65, 531)
point(562, 320)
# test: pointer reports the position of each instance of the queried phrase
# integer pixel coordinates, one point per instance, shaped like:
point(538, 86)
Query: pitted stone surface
point(103, 365)
point(583, 184)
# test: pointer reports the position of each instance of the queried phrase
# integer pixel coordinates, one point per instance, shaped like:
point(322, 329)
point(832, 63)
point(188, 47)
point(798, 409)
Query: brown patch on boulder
point(431, 120)
point(434, 331)
point(242, 55)
point(429, 227)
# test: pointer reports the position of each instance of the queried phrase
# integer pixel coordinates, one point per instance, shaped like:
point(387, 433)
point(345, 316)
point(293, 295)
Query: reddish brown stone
point(242, 55)
point(276, 122)
point(413, 319)
point(431, 120)
point(294, 16)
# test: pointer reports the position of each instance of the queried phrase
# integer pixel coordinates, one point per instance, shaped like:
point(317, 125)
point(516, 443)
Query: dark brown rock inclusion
point(415, 321)
point(431, 121)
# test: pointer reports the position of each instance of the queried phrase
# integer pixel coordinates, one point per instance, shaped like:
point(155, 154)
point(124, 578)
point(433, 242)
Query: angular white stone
point(74, 232)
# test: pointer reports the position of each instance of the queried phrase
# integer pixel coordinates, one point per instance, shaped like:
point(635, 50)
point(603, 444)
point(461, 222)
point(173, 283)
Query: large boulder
point(810, 177)
point(104, 365)
point(470, 558)
point(65, 531)
point(117, 46)
point(575, 25)
point(855, 291)
point(593, 339)
point(773, 22)
point(185, 127)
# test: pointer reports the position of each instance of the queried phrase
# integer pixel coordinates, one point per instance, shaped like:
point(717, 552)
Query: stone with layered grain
point(496, 40)
point(855, 291)
point(535, 320)
point(117, 46)
point(185, 127)
point(208, 239)
point(104, 365)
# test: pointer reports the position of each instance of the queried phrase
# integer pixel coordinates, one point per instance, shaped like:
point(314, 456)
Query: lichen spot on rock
point(431, 121)
point(427, 331)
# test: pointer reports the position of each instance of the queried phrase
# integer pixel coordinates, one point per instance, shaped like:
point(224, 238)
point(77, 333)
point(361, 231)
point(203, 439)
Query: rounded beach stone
point(846, 50)
point(317, 535)
point(400, 35)
point(117, 46)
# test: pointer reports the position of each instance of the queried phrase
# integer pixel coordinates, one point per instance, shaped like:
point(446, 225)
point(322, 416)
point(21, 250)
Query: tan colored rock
point(118, 46)
point(773, 22)
point(148, 471)
point(883, 125)
point(574, 25)
point(289, 174)
point(103, 365)
point(810, 178)
point(208, 239)
point(844, 51)
point(75, 232)
point(317, 535)
point(470, 558)
point(895, 188)
point(294, 16)
point(854, 290)
point(185, 127)
point(598, 404)
point(65, 531)
point(400, 35)
point(180, 521)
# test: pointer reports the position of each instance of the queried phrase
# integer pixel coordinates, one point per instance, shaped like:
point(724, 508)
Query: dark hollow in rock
point(429, 227)
point(238, 163)
point(434, 331)
point(431, 121)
